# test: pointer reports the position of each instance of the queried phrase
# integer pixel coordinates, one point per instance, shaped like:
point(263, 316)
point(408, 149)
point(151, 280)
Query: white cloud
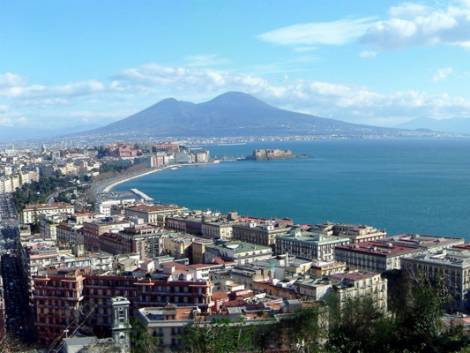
point(15, 86)
point(409, 9)
point(412, 24)
point(340, 101)
point(205, 60)
point(136, 87)
point(9, 79)
point(442, 74)
point(407, 24)
point(367, 54)
point(316, 33)
point(304, 49)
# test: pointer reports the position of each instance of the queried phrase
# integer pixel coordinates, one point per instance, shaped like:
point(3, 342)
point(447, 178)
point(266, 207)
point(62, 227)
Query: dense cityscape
point(245, 176)
point(88, 269)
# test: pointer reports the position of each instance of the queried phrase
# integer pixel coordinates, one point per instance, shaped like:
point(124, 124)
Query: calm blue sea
point(420, 186)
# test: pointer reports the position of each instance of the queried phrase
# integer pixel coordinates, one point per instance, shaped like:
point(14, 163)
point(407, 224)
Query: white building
point(452, 266)
point(237, 251)
point(31, 213)
point(309, 245)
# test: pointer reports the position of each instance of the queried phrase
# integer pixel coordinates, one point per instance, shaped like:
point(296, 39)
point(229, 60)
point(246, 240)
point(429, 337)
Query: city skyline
point(87, 64)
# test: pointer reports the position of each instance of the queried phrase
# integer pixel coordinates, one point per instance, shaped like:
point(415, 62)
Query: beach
point(109, 184)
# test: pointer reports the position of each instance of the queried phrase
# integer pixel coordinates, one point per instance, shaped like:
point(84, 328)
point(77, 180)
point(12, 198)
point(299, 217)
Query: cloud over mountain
point(122, 93)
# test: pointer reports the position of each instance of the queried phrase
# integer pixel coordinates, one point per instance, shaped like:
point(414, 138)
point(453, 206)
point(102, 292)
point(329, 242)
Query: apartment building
point(205, 225)
point(10, 182)
point(48, 225)
point(69, 235)
point(261, 233)
point(355, 285)
point(154, 214)
point(427, 243)
point(32, 212)
point(145, 239)
point(320, 269)
point(176, 244)
point(217, 230)
point(168, 323)
point(190, 224)
point(346, 286)
point(106, 201)
point(309, 245)
point(237, 251)
point(375, 256)
point(357, 233)
point(57, 300)
point(452, 266)
point(93, 230)
point(64, 297)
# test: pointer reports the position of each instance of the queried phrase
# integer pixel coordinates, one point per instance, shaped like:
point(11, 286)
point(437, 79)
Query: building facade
point(154, 214)
point(237, 251)
point(31, 213)
point(354, 285)
point(259, 233)
point(376, 256)
point(452, 266)
point(65, 298)
point(309, 245)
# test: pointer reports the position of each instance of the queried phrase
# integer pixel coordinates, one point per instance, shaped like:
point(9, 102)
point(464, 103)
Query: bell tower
point(121, 326)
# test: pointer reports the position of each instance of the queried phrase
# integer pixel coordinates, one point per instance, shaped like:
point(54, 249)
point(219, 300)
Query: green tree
point(220, 336)
point(305, 330)
point(141, 340)
point(418, 317)
point(357, 325)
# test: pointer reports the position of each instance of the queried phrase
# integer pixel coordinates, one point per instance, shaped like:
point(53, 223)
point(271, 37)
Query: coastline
point(108, 187)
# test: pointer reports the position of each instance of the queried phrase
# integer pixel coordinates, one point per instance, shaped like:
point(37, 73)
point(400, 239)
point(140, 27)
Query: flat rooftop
point(154, 208)
point(379, 247)
point(450, 257)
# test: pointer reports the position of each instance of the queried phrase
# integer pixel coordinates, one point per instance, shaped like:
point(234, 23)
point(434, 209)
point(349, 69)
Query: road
point(15, 290)
point(8, 224)
point(16, 299)
point(8, 214)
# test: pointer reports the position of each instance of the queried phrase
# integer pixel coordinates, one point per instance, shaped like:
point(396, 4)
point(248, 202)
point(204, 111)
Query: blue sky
point(70, 63)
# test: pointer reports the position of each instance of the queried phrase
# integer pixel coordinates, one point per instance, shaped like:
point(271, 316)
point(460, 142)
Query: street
point(15, 292)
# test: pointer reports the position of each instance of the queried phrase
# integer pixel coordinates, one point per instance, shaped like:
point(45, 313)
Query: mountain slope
point(454, 125)
point(230, 114)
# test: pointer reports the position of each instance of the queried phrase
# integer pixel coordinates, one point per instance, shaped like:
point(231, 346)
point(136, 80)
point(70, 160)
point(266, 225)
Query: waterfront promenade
point(108, 184)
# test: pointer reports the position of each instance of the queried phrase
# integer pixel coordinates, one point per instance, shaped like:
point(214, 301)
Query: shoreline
point(109, 187)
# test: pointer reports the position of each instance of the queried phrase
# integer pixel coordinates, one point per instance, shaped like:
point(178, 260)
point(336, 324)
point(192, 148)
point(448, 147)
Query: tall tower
point(121, 326)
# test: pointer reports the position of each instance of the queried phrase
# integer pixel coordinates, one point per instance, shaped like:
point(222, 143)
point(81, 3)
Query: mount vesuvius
point(231, 114)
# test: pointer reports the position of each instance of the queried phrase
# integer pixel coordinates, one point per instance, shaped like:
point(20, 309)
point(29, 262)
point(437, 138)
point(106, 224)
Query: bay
point(402, 186)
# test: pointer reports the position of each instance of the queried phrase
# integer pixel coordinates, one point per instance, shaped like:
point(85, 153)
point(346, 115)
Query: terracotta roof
point(219, 295)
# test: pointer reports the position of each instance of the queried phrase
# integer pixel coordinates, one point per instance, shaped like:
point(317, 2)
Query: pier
point(142, 195)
